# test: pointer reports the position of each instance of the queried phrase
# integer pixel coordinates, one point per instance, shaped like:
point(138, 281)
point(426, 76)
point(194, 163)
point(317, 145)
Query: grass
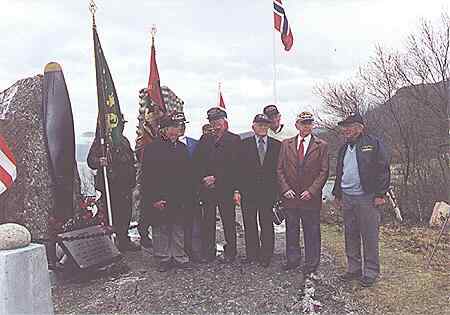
point(406, 286)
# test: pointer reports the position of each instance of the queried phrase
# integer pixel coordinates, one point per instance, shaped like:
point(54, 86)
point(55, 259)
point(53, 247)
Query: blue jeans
point(311, 234)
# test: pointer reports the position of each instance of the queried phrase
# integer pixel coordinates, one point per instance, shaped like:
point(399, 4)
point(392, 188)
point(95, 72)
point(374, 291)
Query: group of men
point(185, 182)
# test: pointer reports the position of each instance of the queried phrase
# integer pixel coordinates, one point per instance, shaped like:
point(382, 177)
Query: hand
point(237, 198)
point(209, 181)
point(290, 194)
point(306, 195)
point(160, 204)
point(379, 201)
point(103, 161)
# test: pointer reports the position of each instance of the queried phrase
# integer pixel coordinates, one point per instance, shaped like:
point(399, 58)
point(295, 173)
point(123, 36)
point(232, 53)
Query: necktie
point(261, 150)
point(301, 151)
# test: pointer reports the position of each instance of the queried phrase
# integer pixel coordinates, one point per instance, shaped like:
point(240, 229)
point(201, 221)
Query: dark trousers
point(144, 223)
point(228, 217)
point(311, 234)
point(121, 214)
point(258, 245)
point(193, 236)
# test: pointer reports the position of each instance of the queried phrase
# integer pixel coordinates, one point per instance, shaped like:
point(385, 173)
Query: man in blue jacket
point(362, 180)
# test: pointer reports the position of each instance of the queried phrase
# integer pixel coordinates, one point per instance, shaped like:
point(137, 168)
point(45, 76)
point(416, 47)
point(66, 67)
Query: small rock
point(13, 236)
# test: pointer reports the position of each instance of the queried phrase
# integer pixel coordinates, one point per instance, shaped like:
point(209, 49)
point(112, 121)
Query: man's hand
point(103, 161)
point(160, 204)
point(306, 195)
point(237, 198)
point(379, 201)
point(209, 181)
point(290, 194)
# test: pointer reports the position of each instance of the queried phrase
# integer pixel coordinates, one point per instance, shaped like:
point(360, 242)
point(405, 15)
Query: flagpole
point(103, 145)
point(218, 95)
point(275, 101)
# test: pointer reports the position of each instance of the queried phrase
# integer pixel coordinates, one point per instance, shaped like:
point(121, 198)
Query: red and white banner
point(8, 172)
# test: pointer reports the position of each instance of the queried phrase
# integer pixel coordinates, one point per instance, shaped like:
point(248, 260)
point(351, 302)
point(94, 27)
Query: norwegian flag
point(8, 172)
point(222, 104)
point(282, 25)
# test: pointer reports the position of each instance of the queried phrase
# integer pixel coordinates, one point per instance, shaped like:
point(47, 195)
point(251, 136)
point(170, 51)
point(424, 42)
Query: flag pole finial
point(153, 32)
point(93, 9)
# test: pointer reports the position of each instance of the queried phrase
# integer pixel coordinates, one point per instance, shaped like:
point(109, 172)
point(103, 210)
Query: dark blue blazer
point(191, 144)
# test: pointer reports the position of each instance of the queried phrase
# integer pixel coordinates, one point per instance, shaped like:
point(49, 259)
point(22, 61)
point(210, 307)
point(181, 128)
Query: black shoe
point(164, 266)
point(349, 276)
point(128, 246)
point(367, 282)
point(248, 261)
point(290, 266)
point(226, 259)
point(264, 263)
point(146, 242)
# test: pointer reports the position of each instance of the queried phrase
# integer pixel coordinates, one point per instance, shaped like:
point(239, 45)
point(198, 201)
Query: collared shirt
point(306, 141)
point(351, 182)
point(183, 139)
point(280, 134)
point(265, 138)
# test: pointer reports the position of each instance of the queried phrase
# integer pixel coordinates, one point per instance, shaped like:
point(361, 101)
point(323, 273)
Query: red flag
point(222, 104)
point(8, 170)
point(282, 25)
point(154, 87)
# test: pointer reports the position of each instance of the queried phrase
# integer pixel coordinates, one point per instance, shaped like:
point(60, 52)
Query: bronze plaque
point(89, 252)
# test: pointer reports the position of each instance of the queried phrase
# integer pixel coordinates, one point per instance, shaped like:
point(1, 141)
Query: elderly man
point(258, 160)
point(216, 164)
point(302, 173)
point(362, 180)
point(277, 130)
point(167, 193)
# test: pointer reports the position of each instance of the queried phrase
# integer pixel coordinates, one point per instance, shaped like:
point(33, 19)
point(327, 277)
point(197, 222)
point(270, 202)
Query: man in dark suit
point(258, 160)
point(302, 173)
point(216, 165)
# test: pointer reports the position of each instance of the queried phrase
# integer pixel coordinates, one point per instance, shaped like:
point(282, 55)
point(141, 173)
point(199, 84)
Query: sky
point(201, 43)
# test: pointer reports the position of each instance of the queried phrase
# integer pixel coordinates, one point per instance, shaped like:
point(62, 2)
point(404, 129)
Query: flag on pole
point(222, 104)
point(154, 87)
point(8, 172)
point(110, 120)
point(282, 25)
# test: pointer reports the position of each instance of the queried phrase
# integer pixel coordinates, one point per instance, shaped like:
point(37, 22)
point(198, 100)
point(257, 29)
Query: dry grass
point(405, 286)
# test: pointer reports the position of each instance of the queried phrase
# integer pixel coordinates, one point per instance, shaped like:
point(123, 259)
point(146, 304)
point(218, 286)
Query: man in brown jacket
point(302, 173)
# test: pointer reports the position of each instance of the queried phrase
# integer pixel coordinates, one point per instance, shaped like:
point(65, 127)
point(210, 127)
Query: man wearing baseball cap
point(302, 173)
point(362, 180)
point(216, 160)
point(277, 130)
point(258, 159)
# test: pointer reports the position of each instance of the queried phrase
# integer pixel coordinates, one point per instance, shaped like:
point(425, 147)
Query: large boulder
point(14, 236)
point(30, 200)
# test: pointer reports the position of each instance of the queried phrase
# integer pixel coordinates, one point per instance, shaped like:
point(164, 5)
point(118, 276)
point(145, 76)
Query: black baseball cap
point(261, 118)
point(270, 111)
point(216, 113)
point(352, 118)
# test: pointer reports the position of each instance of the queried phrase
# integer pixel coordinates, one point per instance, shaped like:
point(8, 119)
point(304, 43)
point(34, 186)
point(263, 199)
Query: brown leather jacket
point(311, 174)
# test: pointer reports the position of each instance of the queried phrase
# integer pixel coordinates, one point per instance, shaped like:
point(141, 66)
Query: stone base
point(24, 281)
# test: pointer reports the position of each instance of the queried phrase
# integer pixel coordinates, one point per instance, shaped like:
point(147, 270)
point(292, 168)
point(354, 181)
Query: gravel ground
point(137, 287)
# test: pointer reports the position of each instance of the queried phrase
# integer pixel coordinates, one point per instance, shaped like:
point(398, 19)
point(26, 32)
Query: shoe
point(226, 260)
point(264, 263)
point(290, 266)
point(312, 276)
point(164, 266)
point(128, 246)
point(367, 282)
point(349, 276)
point(248, 261)
point(146, 242)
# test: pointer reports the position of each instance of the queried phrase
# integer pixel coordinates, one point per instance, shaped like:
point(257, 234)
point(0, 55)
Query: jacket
point(373, 166)
point(258, 183)
point(167, 175)
point(311, 174)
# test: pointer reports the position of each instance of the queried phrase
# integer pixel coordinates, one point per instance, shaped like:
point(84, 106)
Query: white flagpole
point(275, 101)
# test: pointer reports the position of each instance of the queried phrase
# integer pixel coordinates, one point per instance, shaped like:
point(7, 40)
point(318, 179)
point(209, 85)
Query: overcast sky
point(200, 43)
